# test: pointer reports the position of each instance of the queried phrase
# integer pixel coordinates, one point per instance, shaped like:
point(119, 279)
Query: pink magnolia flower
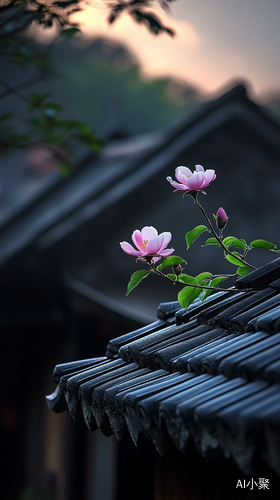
point(191, 182)
point(149, 244)
point(221, 218)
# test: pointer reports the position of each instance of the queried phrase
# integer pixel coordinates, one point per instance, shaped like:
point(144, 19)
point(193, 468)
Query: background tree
point(43, 125)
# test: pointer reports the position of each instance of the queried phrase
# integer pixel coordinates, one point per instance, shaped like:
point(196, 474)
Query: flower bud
point(221, 218)
point(177, 269)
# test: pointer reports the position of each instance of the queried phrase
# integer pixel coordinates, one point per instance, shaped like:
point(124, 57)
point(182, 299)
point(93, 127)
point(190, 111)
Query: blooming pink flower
point(149, 244)
point(221, 218)
point(191, 182)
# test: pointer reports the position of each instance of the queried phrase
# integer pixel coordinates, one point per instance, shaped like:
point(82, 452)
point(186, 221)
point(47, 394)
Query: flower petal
point(154, 244)
point(222, 214)
point(209, 176)
point(182, 173)
point(166, 238)
point(155, 259)
point(166, 252)
point(176, 185)
point(196, 181)
point(148, 232)
point(128, 248)
point(199, 168)
point(137, 239)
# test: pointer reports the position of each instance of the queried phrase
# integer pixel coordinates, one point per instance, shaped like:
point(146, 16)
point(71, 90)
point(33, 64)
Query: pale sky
point(216, 41)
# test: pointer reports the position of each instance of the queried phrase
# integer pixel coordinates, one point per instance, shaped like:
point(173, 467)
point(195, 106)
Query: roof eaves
point(217, 379)
point(68, 207)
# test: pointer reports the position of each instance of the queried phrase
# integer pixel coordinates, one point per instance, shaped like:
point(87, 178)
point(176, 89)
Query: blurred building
point(63, 275)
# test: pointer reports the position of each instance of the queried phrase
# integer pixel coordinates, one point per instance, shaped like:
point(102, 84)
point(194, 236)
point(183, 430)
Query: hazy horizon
point(214, 45)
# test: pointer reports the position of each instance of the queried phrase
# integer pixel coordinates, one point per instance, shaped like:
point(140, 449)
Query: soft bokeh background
point(121, 81)
point(215, 42)
point(121, 76)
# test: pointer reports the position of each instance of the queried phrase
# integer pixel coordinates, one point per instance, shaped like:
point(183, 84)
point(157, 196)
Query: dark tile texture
point(209, 375)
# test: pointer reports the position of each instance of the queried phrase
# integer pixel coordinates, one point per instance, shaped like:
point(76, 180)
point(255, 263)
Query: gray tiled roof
point(210, 374)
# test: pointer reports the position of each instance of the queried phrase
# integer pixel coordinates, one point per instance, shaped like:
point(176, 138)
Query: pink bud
point(221, 218)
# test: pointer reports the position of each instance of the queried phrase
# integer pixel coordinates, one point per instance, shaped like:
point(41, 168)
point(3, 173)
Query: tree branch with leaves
point(151, 247)
point(44, 127)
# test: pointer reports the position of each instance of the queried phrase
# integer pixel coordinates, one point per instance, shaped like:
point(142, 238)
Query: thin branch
point(219, 240)
point(15, 15)
point(8, 5)
point(58, 153)
point(22, 27)
point(12, 90)
point(203, 287)
point(18, 88)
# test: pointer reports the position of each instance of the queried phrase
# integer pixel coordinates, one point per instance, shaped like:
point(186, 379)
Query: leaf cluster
point(18, 15)
point(194, 285)
point(137, 9)
point(43, 124)
point(204, 283)
point(238, 257)
point(47, 127)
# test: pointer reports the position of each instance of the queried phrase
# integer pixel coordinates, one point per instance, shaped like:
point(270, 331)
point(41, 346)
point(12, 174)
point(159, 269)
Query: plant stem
point(18, 88)
point(203, 287)
point(219, 240)
point(12, 90)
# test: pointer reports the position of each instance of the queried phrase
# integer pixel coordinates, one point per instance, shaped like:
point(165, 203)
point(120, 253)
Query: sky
point(216, 42)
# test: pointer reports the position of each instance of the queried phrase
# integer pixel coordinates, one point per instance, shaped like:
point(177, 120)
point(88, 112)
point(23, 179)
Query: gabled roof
point(210, 375)
point(73, 229)
point(122, 167)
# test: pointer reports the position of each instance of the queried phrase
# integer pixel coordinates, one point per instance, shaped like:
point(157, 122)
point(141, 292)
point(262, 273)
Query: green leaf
point(211, 241)
point(214, 283)
point(185, 278)
point(68, 124)
point(51, 109)
point(151, 21)
point(191, 236)
point(37, 101)
point(205, 293)
point(6, 116)
point(231, 241)
point(135, 279)
point(185, 295)
point(173, 260)
point(64, 168)
point(242, 271)
point(262, 244)
point(202, 276)
point(194, 295)
point(172, 276)
point(235, 261)
point(70, 32)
